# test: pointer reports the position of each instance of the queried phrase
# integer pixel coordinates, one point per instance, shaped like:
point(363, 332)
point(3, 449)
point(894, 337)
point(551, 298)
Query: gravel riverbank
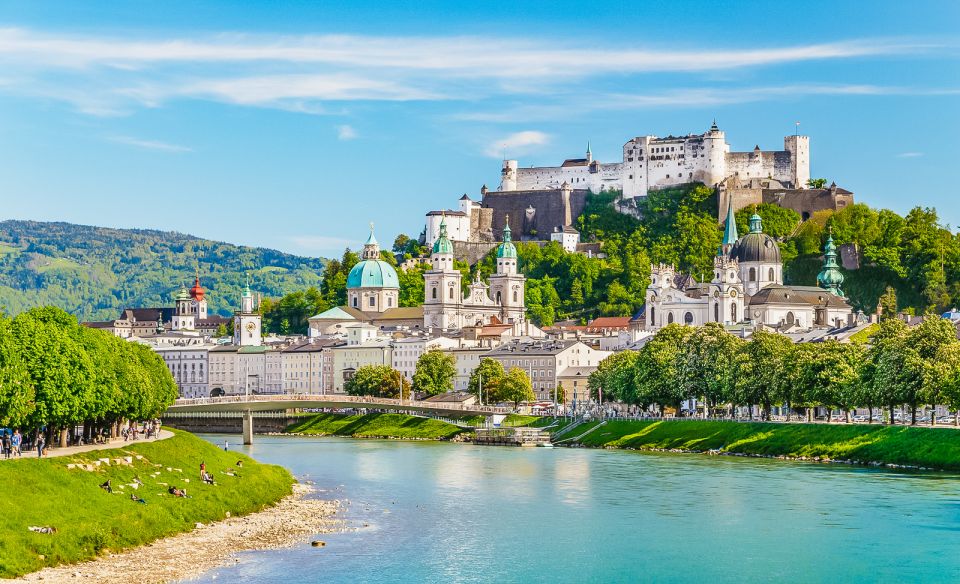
point(186, 556)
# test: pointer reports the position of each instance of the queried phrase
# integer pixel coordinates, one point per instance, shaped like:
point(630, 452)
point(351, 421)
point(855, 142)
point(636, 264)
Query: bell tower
point(507, 285)
point(441, 295)
point(246, 322)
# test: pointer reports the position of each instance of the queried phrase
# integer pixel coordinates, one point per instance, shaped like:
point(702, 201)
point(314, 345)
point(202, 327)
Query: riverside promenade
point(71, 450)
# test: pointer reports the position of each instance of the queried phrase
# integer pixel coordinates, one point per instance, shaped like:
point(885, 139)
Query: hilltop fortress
point(650, 162)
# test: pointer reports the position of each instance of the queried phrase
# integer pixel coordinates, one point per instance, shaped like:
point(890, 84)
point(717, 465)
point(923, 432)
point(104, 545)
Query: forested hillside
point(94, 272)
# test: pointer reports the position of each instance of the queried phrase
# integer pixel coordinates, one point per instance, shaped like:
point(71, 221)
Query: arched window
point(434, 293)
point(716, 312)
point(653, 316)
point(772, 277)
point(733, 312)
point(753, 274)
point(514, 295)
point(451, 293)
point(688, 318)
point(790, 318)
point(499, 298)
point(669, 318)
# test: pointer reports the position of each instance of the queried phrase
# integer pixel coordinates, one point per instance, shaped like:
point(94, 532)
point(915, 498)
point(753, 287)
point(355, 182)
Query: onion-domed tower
point(830, 278)
point(507, 284)
point(442, 295)
point(199, 303)
point(372, 285)
point(759, 258)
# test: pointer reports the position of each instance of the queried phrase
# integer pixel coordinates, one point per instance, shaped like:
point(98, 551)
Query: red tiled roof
point(609, 322)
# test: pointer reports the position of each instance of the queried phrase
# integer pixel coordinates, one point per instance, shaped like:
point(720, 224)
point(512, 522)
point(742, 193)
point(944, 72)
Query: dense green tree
point(763, 375)
point(615, 376)
point(377, 381)
point(485, 380)
point(435, 372)
point(17, 394)
point(777, 222)
point(816, 183)
point(707, 365)
point(658, 369)
point(516, 387)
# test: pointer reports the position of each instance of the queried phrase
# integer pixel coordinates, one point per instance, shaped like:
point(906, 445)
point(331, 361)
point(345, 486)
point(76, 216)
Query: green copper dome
point(507, 249)
point(443, 244)
point(372, 272)
point(183, 295)
point(830, 278)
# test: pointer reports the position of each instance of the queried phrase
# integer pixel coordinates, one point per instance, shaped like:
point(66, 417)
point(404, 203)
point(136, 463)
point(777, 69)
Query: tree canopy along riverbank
point(64, 494)
point(56, 374)
point(901, 366)
point(921, 447)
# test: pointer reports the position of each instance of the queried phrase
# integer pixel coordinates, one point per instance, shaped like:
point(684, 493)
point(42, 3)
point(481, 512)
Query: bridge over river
point(248, 404)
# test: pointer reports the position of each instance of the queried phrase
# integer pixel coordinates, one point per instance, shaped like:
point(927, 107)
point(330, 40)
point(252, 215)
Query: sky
point(293, 125)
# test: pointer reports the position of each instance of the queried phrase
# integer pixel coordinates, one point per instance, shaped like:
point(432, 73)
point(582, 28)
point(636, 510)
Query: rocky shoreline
point(820, 459)
point(188, 555)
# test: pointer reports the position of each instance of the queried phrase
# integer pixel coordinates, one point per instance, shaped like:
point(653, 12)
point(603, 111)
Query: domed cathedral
point(372, 285)
point(446, 308)
point(747, 288)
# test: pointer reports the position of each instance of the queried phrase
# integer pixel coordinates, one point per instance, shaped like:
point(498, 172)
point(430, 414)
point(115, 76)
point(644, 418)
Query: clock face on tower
point(251, 326)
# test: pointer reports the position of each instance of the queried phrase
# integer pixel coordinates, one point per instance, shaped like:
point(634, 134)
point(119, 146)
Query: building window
point(389, 301)
point(753, 274)
point(434, 294)
point(688, 318)
point(772, 277)
point(499, 299)
point(653, 316)
point(716, 312)
point(451, 293)
point(669, 318)
point(733, 312)
point(514, 295)
point(373, 301)
point(354, 301)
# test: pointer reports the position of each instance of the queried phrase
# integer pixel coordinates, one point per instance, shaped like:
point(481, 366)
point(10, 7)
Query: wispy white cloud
point(516, 143)
point(149, 144)
point(910, 155)
point(306, 73)
point(346, 132)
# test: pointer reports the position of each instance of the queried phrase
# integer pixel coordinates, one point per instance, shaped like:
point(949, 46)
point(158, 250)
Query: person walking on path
point(41, 442)
point(16, 441)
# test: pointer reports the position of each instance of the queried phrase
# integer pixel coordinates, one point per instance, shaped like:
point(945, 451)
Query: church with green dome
point(372, 285)
point(373, 293)
point(747, 289)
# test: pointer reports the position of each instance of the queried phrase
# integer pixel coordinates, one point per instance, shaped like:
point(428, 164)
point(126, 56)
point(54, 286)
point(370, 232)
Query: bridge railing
point(357, 400)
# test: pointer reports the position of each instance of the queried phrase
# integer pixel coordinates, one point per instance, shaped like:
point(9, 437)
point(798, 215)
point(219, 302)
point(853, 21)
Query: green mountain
point(94, 272)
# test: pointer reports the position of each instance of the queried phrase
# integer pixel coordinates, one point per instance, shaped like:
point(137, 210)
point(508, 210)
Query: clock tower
point(246, 322)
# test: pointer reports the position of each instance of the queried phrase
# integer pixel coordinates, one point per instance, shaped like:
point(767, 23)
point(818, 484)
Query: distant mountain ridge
point(94, 272)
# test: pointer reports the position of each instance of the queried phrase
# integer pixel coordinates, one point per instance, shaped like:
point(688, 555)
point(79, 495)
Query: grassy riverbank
point(901, 445)
point(88, 520)
point(376, 426)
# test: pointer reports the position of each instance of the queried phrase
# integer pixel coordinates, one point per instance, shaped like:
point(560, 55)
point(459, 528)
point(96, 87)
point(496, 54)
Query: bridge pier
point(248, 427)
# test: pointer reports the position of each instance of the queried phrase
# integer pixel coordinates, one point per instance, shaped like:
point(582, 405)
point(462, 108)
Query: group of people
point(10, 444)
point(150, 429)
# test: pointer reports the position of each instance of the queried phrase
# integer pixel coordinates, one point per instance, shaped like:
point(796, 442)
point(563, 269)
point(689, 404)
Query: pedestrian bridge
point(247, 404)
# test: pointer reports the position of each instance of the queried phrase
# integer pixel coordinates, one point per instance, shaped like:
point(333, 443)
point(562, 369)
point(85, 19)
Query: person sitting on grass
point(207, 478)
point(106, 486)
point(177, 492)
point(137, 499)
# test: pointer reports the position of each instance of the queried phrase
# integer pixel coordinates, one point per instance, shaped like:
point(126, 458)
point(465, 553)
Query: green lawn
point(89, 520)
point(376, 425)
point(928, 447)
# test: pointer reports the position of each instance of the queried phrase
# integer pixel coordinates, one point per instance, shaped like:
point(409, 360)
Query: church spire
point(730, 235)
point(830, 278)
point(443, 244)
point(371, 249)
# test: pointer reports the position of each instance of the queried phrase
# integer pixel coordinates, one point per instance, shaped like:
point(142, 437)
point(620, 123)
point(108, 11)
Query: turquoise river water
point(439, 512)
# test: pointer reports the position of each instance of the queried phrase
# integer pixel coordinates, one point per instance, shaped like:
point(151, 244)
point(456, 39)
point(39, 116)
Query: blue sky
point(294, 124)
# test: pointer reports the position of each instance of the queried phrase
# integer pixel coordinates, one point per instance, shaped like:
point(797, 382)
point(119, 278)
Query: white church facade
point(650, 162)
point(747, 288)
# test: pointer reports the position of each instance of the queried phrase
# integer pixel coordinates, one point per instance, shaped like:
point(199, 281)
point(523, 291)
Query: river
point(439, 512)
